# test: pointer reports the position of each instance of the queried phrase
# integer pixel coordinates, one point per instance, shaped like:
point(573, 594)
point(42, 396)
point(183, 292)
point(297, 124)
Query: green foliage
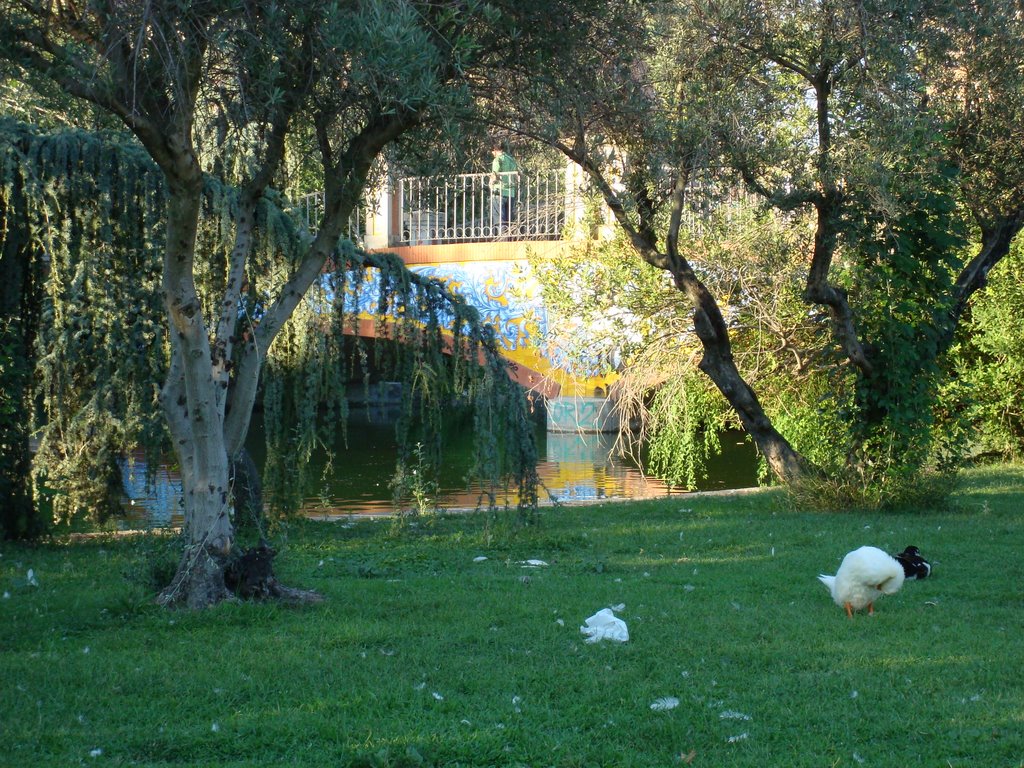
point(896, 488)
point(91, 205)
point(21, 274)
point(988, 363)
point(906, 257)
point(414, 483)
point(812, 417)
point(19, 517)
point(689, 415)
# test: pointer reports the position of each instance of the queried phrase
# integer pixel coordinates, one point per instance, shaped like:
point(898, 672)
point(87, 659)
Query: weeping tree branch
point(349, 172)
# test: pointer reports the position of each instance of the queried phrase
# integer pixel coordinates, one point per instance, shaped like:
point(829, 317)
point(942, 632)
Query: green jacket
point(504, 164)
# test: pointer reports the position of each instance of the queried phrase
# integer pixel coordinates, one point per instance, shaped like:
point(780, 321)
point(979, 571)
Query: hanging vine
point(90, 207)
point(93, 206)
point(427, 339)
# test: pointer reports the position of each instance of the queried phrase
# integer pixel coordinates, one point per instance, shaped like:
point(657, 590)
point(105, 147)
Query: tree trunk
point(785, 463)
point(191, 406)
point(247, 491)
point(717, 363)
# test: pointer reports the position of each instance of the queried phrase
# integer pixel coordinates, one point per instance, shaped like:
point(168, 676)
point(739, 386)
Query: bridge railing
point(468, 208)
point(311, 208)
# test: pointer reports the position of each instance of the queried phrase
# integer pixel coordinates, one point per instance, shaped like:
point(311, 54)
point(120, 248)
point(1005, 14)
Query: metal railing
point(311, 209)
point(470, 207)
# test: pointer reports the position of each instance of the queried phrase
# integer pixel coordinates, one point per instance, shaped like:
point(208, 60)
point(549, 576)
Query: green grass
point(420, 656)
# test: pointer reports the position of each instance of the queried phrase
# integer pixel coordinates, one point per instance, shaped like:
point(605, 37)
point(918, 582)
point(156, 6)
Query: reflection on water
point(158, 501)
point(573, 468)
point(581, 467)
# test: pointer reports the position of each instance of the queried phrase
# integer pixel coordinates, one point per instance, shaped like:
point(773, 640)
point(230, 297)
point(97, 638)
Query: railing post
point(398, 225)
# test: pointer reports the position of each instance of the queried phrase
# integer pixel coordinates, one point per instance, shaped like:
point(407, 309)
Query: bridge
point(448, 228)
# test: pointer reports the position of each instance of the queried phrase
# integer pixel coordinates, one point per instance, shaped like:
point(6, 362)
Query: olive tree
point(864, 116)
point(214, 90)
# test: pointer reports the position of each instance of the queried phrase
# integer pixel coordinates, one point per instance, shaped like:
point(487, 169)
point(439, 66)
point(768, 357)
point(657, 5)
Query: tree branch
point(995, 245)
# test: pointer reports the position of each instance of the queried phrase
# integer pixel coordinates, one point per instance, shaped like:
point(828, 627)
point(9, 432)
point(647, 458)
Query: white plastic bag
point(603, 625)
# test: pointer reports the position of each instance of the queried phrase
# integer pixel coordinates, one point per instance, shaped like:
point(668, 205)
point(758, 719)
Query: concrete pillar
point(574, 208)
point(378, 215)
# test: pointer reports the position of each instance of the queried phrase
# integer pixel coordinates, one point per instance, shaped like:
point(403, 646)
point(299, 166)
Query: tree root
point(206, 577)
point(199, 580)
point(251, 576)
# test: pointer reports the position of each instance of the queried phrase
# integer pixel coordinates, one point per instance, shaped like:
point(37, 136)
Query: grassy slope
point(421, 656)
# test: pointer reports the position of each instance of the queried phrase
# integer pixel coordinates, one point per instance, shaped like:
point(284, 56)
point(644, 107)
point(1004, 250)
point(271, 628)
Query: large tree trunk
point(191, 406)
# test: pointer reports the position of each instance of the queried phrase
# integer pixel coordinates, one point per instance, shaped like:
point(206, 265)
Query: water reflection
point(573, 468)
point(156, 501)
point(581, 467)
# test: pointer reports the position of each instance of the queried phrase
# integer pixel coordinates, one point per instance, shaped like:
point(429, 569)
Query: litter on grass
point(730, 714)
point(664, 703)
point(604, 625)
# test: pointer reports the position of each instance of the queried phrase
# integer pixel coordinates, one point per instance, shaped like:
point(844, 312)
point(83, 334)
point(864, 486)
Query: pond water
point(572, 467)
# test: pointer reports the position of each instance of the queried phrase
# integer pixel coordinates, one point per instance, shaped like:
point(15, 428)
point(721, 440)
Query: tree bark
point(717, 362)
point(191, 405)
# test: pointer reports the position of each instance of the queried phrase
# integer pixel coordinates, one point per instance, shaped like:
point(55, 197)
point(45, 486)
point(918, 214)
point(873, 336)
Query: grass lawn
point(421, 655)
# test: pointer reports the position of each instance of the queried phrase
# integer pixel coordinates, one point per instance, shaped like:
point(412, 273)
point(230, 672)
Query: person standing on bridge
point(504, 181)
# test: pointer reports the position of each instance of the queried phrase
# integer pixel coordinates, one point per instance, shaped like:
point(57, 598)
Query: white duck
point(864, 575)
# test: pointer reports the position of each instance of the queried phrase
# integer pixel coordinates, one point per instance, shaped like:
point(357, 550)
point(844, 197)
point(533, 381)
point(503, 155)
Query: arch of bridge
point(496, 278)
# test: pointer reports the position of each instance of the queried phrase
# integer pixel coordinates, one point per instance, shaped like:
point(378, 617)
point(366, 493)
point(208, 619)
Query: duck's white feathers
point(863, 576)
